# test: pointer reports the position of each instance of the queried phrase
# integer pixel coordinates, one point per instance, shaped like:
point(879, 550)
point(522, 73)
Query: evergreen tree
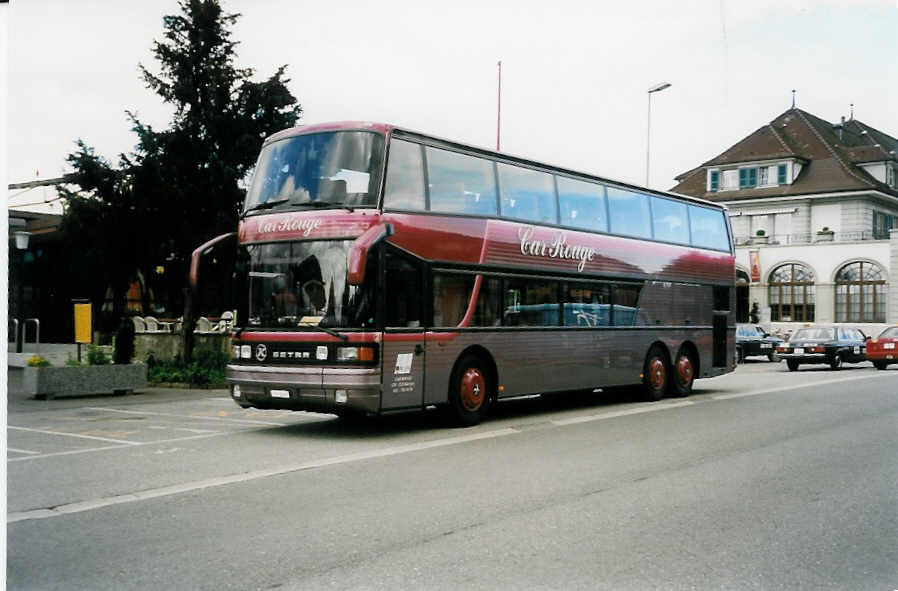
point(180, 186)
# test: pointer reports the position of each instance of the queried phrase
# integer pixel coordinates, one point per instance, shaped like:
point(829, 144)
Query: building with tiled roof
point(812, 206)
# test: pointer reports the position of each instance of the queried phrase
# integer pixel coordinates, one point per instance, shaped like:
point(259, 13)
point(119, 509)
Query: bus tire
point(683, 375)
point(655, 374)
point(469, 391)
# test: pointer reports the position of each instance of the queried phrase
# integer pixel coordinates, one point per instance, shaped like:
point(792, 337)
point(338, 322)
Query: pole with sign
point(82, 325)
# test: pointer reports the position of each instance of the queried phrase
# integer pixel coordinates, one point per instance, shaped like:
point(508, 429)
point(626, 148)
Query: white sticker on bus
point(404, 363)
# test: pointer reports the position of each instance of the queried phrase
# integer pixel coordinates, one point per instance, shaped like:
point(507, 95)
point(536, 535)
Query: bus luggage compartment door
point(403, 359)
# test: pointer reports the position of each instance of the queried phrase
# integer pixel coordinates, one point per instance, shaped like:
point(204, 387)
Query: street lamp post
point(20, 240)
point(648, 133)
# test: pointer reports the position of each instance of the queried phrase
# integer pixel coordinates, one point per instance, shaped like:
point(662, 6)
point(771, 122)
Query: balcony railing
point(812, 238)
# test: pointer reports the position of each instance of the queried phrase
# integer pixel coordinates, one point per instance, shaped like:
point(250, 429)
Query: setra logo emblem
point(261, 352)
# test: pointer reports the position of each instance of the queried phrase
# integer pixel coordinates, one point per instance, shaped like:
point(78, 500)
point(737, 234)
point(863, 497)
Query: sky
point(575, 74)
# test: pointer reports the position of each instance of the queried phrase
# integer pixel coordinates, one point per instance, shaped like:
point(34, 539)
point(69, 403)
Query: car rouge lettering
point(558, 248)
point(294, 224)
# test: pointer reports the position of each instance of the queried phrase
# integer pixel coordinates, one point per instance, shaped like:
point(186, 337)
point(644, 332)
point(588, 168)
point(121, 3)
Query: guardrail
point(812, 238)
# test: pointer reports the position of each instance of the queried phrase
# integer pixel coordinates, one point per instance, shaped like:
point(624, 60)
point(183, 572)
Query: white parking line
point(249, 476)
point(23, 451)
point(107, 447)
point(201, 418)
point(93, 437)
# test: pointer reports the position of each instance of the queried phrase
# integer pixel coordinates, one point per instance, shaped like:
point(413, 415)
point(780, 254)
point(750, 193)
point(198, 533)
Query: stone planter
point(760, 239)
point(825, 236)
point(47, 382)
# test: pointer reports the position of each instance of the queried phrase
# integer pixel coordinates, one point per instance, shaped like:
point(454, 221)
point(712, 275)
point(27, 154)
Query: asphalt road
point(763, 479)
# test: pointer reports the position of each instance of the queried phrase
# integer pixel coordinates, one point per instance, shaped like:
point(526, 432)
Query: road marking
point(23, 451)
point(249, 476)
point(796, 387)
point(622, 413)
point(130, 444)
point(94, 437)
point(201, 418)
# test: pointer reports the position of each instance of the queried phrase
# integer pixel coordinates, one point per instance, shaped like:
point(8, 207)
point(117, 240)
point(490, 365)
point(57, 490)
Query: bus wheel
point(654, 374)
point(683, 375)
point(469, 391)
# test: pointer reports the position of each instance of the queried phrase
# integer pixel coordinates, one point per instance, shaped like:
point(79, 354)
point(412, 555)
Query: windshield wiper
point(329, 331)
point(266, 205)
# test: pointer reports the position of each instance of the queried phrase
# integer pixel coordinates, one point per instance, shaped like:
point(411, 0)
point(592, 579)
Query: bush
point(206, 370)
point(97, 356)
point(37, 361)
point(124, 341)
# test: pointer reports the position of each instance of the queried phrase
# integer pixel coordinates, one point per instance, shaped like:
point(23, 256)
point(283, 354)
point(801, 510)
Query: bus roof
point(387, 129)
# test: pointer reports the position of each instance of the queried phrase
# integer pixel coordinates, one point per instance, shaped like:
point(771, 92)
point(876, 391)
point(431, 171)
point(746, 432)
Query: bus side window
point(709, 228)
point(626, 305)
point(582, 204)
point(527, 194)
point(405, 177)
point(587, 304)
point(460, 183)
point(451, 295)
point(402, 292)
point(531, 303)
point(629, 213)
point(670, 220)
point(487, 311)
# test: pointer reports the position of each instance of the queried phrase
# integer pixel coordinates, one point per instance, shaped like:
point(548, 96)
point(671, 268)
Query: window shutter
point(743, 178)
point(781, 174)
point(752, 177)
point(715, 180)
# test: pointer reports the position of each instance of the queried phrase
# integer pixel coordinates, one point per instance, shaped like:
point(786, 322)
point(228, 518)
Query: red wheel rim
point(657, 373)
point(473, 389)
point(684, 370)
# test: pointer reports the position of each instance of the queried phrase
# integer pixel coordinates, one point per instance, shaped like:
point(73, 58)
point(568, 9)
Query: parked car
point(833, 345)
point(883, 349)
point(752, 340)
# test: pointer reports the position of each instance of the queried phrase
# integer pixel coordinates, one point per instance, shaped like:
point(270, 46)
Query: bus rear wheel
point(683, 375)
point(655, 374)
point(469, 391)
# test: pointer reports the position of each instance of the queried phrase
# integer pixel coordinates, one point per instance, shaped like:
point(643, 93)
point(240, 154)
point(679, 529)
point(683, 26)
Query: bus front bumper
point(329, 390)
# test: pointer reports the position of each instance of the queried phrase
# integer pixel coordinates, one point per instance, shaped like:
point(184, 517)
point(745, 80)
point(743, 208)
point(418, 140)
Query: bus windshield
point(302, 284)
point(340, 168)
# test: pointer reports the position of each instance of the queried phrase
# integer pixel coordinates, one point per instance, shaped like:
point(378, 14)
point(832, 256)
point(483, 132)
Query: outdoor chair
point(139, 324)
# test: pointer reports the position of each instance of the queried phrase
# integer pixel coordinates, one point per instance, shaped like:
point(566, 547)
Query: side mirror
point(206, 248)
point(358, 253)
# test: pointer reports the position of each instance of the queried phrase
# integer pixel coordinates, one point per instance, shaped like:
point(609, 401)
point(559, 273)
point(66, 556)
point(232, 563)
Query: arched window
point(861, 293)
point(791, 289)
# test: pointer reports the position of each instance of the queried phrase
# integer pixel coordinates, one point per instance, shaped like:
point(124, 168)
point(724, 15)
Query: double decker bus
point(387, 270)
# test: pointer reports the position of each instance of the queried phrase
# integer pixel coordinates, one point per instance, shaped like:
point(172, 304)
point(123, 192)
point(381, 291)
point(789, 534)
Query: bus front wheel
point(655, 374)
point(469, 391)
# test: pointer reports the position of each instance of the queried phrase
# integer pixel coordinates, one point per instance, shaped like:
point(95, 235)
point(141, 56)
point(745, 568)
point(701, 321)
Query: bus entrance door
point(403, 347)
point(403, 370)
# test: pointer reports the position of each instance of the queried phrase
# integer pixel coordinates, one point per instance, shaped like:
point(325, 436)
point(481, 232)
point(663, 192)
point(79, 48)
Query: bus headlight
point(355, 354)
point(236, 391)
point(235, 352)
point(246, 351)
point(347, 353)
point(321, 353)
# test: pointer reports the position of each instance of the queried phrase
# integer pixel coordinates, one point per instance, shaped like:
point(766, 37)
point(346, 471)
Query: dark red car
point(883, 349)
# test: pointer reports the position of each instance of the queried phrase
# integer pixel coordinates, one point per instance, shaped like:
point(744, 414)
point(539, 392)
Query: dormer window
point(890, 176)
point(748, 177)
